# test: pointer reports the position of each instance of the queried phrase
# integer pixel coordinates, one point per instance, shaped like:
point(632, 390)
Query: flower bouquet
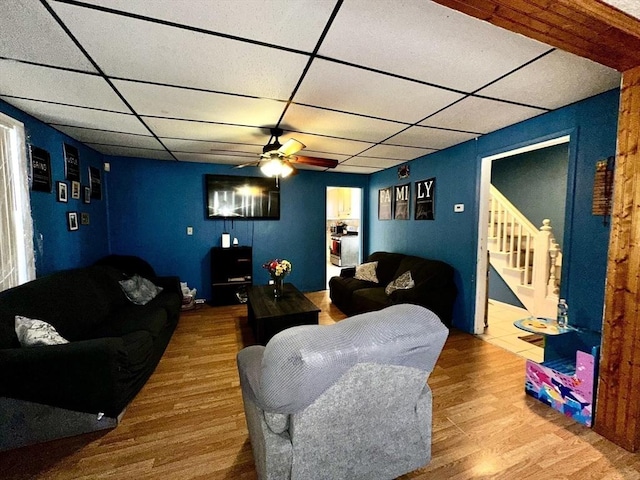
point(278, 269)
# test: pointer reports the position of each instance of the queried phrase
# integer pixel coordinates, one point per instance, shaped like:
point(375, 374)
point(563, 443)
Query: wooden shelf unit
point(231, 274)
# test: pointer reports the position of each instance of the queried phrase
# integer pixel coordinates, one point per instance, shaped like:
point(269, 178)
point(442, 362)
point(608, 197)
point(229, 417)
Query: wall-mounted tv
point(237, 197)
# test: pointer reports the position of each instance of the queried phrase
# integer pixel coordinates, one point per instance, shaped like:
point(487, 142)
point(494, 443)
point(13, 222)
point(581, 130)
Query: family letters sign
point(425, 199)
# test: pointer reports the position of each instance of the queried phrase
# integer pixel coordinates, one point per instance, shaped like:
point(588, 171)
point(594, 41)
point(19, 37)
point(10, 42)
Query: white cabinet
point(343, 203)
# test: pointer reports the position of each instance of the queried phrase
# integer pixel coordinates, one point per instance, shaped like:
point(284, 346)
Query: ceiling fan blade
point(249, 164)
point(318, 162)
point(290, 147)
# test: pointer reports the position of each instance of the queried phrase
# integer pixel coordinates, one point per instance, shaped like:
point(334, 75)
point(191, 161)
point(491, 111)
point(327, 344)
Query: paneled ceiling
point(370, 83)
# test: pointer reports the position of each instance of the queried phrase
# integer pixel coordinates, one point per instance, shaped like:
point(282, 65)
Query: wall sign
point(603, 188)
point(95, 183)
point(384, 203)
point(71, 163)
point(425, 199)
point(40, 170)
point(401, 204)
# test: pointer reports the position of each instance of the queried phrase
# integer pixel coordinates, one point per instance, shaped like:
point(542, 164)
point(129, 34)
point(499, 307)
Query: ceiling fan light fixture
point(287, 169)
point(273, 168)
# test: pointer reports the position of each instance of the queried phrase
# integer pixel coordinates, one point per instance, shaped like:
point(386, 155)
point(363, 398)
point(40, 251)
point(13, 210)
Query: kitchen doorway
point(342, 233)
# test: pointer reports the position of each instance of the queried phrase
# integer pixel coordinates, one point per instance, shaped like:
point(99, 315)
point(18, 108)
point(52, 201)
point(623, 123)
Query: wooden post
point(618, 404)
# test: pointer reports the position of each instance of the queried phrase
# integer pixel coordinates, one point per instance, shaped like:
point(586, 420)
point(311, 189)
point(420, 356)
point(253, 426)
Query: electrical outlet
point(458, 207)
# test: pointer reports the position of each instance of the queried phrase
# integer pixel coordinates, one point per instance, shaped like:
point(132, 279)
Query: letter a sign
point(425, 199)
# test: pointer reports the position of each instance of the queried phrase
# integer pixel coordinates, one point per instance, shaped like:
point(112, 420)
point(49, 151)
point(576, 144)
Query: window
point(17, 263)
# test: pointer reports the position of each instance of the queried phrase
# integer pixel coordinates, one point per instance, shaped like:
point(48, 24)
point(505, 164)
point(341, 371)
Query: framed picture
point(62, 192)
point(75, 189)
point(72, 221)
point(71, 163)
point(425, 199)
point(86, 198)
point(40, 170)
point(401, 201)
point(384, 203)
point(84, 218)
point(95, 183)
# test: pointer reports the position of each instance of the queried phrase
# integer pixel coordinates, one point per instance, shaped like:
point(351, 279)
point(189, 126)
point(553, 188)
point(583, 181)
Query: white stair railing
point(528, 258)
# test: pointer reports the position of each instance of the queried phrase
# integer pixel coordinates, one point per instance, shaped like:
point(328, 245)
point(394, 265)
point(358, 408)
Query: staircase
point(527, 258)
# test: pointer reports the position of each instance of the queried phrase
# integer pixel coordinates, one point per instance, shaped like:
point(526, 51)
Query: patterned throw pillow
point(32, 332)
point(403, 282)
point(367, 272)
point(139, 290)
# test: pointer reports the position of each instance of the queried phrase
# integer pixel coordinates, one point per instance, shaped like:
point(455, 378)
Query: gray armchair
point(346, 401)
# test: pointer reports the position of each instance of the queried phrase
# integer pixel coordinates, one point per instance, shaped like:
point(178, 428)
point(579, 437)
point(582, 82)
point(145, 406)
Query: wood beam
point(599, 32)
point(588, 28)
point(618, 404)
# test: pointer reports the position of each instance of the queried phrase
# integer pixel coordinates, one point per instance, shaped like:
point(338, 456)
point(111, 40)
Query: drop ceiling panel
point(432, 138)
point(213, 158)
point(426, 41)
point(28, 33)
point(393, 152)
point(555, 80)
point(141, 50)
point(118, 151)
point(354, 169)
point(632, 7)
point(295, 25)
point(156, 100)
point(208, 147)
point(481, 115)
point(326, 122)
point(350, 89)
point(41, 83)
point(371, 162)
point(214, 132)
point(87, 135)
point(79, 117)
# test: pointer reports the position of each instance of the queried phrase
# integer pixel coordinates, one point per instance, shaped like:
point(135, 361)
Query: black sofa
point(434, 286)
point(114, 344)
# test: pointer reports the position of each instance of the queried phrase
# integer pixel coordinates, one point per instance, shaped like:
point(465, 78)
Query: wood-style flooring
point(188, 421)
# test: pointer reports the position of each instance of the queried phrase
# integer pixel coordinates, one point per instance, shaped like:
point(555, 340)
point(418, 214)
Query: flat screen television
point(238, 197)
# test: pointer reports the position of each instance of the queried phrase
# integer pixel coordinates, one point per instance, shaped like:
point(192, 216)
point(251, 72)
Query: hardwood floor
point(188, 421)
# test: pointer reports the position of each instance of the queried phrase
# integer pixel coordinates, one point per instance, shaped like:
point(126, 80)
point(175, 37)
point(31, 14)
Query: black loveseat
point(434, 286)
point(114, 347)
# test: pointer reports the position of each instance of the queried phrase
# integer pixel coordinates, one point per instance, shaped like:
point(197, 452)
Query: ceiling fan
point(276, 159)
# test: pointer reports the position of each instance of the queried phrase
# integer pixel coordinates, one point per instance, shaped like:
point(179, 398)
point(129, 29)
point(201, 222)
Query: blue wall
point(500, 291)
point(148, 204)
point(57, 248)
point(536, 183)
point(152, 203)
point(452, 237)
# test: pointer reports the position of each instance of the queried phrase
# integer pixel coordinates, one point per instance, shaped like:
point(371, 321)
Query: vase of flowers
point(278, 269)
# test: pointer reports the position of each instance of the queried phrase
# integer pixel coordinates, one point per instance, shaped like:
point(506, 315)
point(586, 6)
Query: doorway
point(343, 237)
point(483, 268)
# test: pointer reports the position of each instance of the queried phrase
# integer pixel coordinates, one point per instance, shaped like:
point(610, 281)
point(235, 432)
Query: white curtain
point(17, 262)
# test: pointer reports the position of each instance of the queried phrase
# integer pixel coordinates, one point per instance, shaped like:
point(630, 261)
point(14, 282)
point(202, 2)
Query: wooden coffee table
point(268, 316)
